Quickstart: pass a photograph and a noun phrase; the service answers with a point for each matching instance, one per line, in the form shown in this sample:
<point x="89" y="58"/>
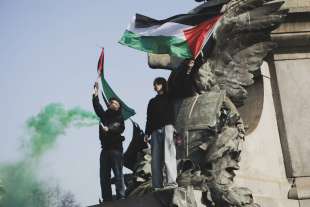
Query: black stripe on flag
<point x="187" y="19"/>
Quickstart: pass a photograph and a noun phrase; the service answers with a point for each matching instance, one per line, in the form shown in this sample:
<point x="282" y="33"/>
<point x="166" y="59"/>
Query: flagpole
<point x="99" y="72"/>
<point x="98" y="78"/>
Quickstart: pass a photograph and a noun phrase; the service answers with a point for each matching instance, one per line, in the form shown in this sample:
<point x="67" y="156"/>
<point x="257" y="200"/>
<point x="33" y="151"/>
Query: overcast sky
<point x="49" y="53"/>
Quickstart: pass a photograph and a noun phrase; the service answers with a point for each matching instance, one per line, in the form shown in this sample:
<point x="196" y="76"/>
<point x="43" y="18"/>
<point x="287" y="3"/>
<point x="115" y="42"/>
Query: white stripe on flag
<point x="167" y="29"/>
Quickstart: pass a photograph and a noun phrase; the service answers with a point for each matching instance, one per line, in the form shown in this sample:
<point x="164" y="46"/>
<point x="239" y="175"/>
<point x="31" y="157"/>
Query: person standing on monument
<point x="111" y="127"/>
<point x="159" y="129"/>
<point x="181" y="82"/>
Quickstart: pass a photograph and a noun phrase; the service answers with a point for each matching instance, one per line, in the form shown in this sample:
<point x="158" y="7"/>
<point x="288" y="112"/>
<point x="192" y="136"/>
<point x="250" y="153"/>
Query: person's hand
<point x="146" y="138"/>
<point x="105" y="128"/>
<point x="96" y="88"/>
<point x="190" y="65"/>
<point x="95" y="93"/>
<point x="96" y="85"/>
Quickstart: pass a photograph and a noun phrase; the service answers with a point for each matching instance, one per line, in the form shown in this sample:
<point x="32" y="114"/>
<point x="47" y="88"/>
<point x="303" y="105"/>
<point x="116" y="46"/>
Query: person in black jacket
<point x="111" y="127"/>
<point x="159" y="126"/>
<point x="181" y="81"/>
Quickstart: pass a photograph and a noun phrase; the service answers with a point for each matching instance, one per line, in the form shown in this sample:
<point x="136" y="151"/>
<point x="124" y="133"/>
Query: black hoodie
<point x="112" y="139"/>
<point x="159" y="113"/>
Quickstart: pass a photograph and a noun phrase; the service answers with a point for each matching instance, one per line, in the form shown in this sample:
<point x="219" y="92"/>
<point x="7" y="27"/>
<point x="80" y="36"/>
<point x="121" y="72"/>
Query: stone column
<point x="275" y="161"/>
<point x="262" y="164"/>
<point x="290" y="80"/>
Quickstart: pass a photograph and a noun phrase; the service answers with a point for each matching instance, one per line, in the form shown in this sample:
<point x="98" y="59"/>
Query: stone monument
<point x="248" y="91"/>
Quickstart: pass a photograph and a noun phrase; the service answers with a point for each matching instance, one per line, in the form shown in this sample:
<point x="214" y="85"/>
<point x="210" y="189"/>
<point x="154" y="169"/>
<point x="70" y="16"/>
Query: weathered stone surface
<point x="252" y="108"/>
<point x="181" y="197"/>
<point x="262" y="164"/>
<point x="304" y="203"/>
<point x="300" y="189"/>
<point x="294" y="93"/>
<point x="149" y="200"/>
<point x="297" y="4"/>
<point x="290" y="74"/>
<point x="293" y="36"/>
<point x="199" y="112"/>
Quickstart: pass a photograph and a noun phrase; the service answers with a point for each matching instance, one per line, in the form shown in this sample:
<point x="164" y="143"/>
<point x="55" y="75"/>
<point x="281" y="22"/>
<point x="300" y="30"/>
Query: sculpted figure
<point x="207" y="117"/>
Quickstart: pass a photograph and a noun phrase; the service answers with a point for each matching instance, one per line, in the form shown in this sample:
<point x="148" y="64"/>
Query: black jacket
<point x="181" y="84"/>
<point x="159" y="113"/>
<point x="112" y="139"/>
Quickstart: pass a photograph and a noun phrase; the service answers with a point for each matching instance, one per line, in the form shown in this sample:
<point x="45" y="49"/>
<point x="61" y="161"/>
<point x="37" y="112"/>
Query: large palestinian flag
<point x="182" y="35"/>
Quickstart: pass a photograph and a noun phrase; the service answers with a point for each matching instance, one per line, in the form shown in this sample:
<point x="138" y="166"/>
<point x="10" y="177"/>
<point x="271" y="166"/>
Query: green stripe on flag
<point x="127" y="112"/>
<point x="157" y="44"/>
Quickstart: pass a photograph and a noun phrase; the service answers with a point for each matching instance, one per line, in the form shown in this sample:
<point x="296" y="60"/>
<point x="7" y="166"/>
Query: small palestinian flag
<point x="182" y="35"/>
<point x="100" y="63"/>
<point x="108" y="92"/>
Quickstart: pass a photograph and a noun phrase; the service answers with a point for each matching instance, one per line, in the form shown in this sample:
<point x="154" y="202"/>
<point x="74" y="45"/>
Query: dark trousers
<point x="111" y="160"/>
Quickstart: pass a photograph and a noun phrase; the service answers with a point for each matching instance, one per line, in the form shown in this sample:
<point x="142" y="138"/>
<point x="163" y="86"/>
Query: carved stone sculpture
<point x="208" y="120"/>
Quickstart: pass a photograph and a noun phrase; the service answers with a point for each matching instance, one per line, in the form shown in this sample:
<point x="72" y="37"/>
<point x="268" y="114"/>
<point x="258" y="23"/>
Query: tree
<point x="2" y="190"/>
<point x="68" y="200"/>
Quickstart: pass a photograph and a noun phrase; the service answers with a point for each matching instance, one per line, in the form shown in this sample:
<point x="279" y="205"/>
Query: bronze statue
<point x="208" y="120"/>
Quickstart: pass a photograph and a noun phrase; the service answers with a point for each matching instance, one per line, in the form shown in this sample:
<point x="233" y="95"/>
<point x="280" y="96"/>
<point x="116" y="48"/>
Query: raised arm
<point x="96" y="104"/>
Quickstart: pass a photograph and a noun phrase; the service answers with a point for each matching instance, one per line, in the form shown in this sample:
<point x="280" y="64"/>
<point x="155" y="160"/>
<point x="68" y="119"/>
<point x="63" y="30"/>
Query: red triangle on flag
<point x="195" y="36"/>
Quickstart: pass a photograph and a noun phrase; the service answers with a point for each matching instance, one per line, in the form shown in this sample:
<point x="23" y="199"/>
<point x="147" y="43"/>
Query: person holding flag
<point x="111" y="158"/>
<point x="111" y="127"/>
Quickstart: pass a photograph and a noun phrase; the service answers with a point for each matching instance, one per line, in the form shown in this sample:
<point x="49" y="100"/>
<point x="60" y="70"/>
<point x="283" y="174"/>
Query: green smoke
<point x="51" y="122"/>
<point x="22" y="187"/>
<point x="19" y="182"/>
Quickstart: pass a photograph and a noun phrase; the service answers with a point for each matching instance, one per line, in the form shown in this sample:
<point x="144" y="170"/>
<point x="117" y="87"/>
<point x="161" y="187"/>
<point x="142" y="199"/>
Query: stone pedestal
<point x="275" y="158"/>
<point x="290" y="73"/>
<point x="262" y="164"/>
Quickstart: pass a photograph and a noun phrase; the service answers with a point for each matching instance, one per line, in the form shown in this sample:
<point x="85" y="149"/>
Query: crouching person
<point x="111" y="127"/>
<point x="159" y="126"/>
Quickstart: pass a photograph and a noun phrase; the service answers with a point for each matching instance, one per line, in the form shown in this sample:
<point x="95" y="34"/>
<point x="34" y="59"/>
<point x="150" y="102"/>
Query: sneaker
<point x="171" y="186"/>
<point x="121" y="198"/>
<point x="157" y="189"/>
